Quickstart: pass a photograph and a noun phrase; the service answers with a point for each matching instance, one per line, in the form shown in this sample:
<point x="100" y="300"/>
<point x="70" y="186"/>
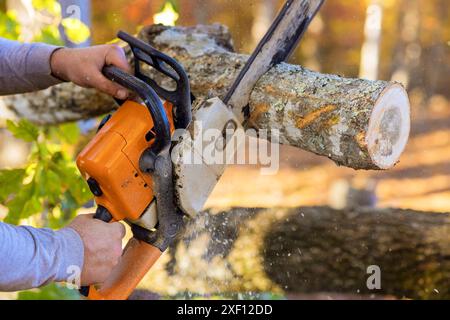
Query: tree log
<point x="357" y="123"/>
<point x="309" y="250"/>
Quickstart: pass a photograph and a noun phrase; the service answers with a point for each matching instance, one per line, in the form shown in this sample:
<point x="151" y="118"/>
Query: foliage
<point x="167" y="16"/>
<point x="76" y="31"/>
<point x="9" y="27"/>
<point x="48" y="190"/>
<point x="48" y="19"/>
<point x="49" y="184"/>
<point x="49" y="292"/>
<point x="52" y="6"/>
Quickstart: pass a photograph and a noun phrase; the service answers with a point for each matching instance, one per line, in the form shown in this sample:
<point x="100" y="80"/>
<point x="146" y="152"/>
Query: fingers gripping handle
<point x="137" y="259"/>
<point x="101" y="214"/>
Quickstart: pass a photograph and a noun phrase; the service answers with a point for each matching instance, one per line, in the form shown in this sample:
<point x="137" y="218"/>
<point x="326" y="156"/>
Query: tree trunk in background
<point x="370" y="51"/>
<point x="356" y="123"/>
<point x="200" y="10"/>
<point x="263" y="17"/>
<point x="26" y="15"/>
<point x="310" y="45"/>
<point x="309" y="250"/>
<point x="434" y="58"/>
<point x="407" y="51"/>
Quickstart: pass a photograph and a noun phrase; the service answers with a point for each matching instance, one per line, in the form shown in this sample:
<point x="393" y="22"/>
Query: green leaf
<point x="69" y="132"/>
<point x="75" y="30"/>
<point x="50" y="34"/>
<point x="51" y="6"/>
<point x="57" y="157"/>
<point x="24" y="204"/>
<point x="10" y="182"/>
<point x="70" y="176"/>
<point x="69" y="204"/>
<point x="49" y="184"/>
<point x="23" y="129"/>
<point x="9" y="27"/>
<point x="80" y="191"/>
<point x="79" y="188"/>
<point x="50" y="292"/>
<point x="52" y="182"/>
<point x="32" y="206"/>
<point x="42" y="151"/>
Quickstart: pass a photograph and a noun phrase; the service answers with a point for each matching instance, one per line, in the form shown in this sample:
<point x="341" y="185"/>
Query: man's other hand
<point x="102" y="247"/>
<point x="83" y="66"/>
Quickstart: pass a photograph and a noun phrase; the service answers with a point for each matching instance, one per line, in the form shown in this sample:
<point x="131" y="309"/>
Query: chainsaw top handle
<point x="180" y="97"/>
<point x="151" y="101"/>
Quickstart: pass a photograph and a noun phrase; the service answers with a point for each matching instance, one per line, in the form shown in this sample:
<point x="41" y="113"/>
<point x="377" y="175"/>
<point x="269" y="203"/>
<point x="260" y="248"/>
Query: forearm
<point x="31" y="257"/>
<point x="25" y="67"/>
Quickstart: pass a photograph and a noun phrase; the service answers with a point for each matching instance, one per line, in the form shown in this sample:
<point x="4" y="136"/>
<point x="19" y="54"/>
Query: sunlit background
<point x="402" y="40"/>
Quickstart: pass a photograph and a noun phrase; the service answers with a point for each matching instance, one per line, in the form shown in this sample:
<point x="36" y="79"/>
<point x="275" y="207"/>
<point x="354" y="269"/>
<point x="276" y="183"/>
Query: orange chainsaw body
<point x="111" y="160"/>
<point x="127" y="165"/>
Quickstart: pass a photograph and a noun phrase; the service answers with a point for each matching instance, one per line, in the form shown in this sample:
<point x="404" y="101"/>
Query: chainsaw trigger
<point x="103" y="122"/>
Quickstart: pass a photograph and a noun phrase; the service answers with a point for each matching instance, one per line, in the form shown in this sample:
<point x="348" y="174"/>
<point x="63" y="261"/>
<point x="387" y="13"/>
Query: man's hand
<point x="84" y="67"/>
<point x="102" y="247"/>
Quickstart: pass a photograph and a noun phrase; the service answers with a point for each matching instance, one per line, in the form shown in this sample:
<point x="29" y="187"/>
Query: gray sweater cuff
<point x="72" y="254"/>
<point x="40" y="68"/>
<point x="31" y="257"/>
<point x="25" y="67"/>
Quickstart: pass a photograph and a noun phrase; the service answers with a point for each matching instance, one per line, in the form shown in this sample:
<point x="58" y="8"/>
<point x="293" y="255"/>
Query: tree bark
<point x="309" y="250"/>
<point x="357" y="123"/>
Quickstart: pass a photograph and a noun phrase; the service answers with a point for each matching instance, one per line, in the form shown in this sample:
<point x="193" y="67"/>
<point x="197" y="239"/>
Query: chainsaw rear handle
<point x="100" y="214"/>
<point x="180" y="97"/>
<point x="137" y="258"/>
<point x="150" y="99"/>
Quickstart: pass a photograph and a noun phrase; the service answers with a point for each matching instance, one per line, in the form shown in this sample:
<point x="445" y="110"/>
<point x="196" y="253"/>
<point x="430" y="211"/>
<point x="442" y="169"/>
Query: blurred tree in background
<point x="414" y="45"/>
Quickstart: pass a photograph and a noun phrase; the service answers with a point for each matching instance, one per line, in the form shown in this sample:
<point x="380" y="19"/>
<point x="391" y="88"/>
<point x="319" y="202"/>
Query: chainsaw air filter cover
<point x="110" y="162"/>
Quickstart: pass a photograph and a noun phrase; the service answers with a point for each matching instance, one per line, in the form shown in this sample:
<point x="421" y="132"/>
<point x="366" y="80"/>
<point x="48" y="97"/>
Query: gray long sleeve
<point x="31" y="257"/>
<point x="25" y="67"/>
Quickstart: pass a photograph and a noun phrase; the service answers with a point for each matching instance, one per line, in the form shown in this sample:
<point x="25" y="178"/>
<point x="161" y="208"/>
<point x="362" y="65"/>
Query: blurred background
<point x="401" y="40"/>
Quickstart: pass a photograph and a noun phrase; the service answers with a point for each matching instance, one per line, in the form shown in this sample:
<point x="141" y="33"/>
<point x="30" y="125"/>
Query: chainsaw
<point x="129" y="165"/>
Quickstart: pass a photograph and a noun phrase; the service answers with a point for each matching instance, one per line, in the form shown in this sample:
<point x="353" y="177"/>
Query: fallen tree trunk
<point x="309" y="250"/>
<point x="357" y="123"/>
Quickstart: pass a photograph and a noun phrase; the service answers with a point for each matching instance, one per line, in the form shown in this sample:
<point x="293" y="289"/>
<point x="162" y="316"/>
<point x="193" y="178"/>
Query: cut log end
<point x="389" y="127"/>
